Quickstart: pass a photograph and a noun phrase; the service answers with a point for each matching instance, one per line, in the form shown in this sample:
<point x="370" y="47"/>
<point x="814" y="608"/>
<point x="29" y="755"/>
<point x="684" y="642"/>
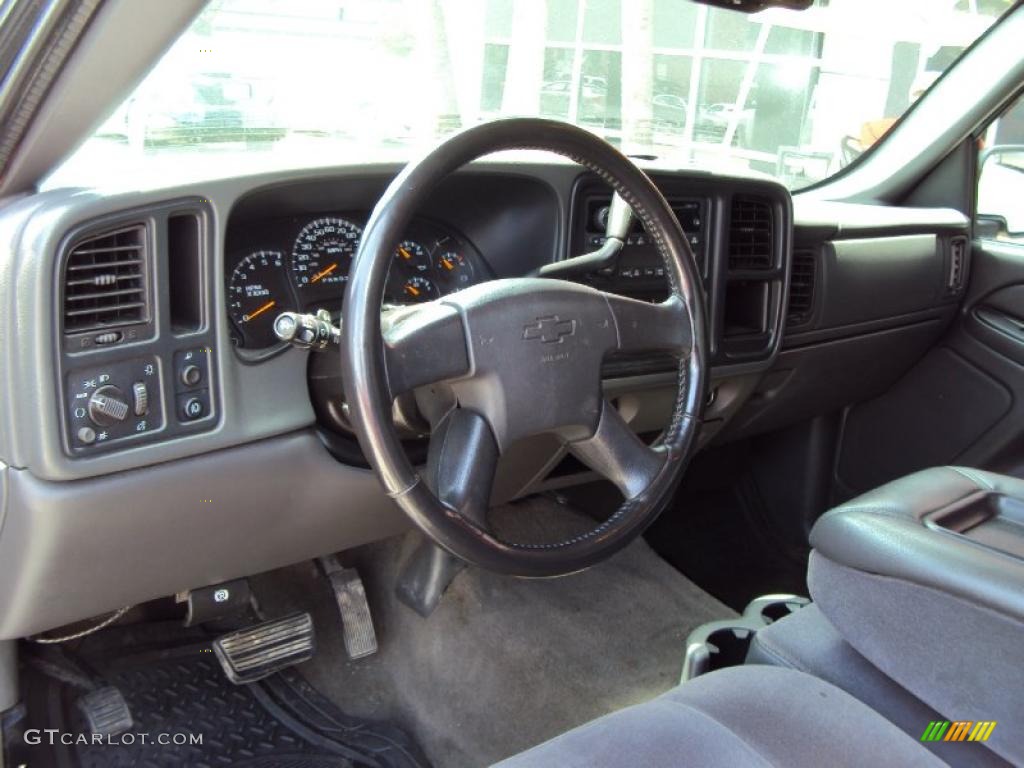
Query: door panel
<point x="995" y="313"/>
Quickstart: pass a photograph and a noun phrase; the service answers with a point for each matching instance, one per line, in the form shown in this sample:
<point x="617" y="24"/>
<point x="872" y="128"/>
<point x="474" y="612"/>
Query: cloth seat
<point x="751" y="715"/>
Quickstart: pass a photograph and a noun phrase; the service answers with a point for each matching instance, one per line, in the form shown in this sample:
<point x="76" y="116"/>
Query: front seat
<point x="750" y="715"/>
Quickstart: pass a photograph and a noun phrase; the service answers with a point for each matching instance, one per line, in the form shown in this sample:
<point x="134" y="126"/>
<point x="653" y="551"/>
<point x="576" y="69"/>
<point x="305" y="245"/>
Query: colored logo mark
<point x="958" y="730"/>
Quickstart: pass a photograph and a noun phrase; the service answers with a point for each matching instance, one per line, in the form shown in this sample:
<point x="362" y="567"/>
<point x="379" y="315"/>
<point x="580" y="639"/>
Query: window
<point x="259" y="84"/>
<point x="1001" y="177"/>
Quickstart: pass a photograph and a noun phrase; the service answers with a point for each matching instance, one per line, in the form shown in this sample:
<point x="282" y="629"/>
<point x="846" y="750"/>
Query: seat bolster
<point x="750" y="715"/>
<point x="963" y="659"/>
<point x="807" y="641"/>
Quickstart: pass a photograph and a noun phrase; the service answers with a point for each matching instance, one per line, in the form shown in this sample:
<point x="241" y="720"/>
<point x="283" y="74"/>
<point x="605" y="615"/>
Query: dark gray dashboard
<point x="853" y="267"/>
<point x="814" y="305"/>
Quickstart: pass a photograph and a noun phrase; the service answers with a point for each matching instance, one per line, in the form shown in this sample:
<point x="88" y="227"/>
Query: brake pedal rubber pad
<point x="250" y="654"/>
<point x="106" y="712"/>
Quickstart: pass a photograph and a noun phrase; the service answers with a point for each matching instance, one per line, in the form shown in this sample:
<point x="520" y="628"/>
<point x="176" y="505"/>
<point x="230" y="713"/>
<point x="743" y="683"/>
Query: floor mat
<point x="279" y="722"/>
<point x="503" y="663"/>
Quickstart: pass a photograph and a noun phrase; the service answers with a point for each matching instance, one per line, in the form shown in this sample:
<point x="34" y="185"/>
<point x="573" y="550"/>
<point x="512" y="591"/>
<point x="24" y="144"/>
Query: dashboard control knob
<point x="193" y="408"/>
<point x="141" y="396"/>
<point x="307" y="331"/>
<point x="191" y="375"/>
<point x="87" y="435"/>
<point x="107" y="406"/>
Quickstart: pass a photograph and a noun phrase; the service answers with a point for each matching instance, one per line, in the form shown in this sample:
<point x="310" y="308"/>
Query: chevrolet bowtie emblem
<point x="550" y="330"/>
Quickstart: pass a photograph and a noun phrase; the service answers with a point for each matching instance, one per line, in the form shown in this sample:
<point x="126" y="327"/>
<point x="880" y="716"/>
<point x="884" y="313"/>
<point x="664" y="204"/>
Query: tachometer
<point x="322" y="256"/>
<point x="257" y="293"/>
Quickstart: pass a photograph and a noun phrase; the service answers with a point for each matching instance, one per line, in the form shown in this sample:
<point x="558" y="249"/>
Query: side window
<point x="1001" y="177"/>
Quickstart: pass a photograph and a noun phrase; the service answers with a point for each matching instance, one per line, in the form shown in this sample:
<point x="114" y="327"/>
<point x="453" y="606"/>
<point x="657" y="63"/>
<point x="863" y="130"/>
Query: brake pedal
<point x="253" y="653"/>
<point x="356" y="620"/>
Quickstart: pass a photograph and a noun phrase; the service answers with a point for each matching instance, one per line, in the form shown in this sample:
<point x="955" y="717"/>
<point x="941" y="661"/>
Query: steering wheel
<point x="511" y="358"/>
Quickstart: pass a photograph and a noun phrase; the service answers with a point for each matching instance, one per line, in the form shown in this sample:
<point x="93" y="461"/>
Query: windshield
<point x="258" y="84"/>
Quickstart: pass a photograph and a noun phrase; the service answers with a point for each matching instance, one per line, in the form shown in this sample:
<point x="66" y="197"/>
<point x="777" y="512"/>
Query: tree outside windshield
<point x="795" y="95"/>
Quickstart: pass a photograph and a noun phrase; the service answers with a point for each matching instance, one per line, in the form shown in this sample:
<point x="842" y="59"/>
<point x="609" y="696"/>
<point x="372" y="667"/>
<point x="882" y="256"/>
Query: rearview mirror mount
<point x="753" y="6"/>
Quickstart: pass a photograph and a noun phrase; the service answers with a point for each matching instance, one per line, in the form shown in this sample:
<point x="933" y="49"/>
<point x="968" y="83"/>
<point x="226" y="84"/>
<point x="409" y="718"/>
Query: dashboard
<point x="301" y="264"/>
<point x="152" y="418"/>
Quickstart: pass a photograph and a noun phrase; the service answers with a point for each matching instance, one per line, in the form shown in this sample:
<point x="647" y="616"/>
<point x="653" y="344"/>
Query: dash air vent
<point x="801" y="288"/>
<point x="750" y="235"/>
<point x="104" y="281"/>
<point x="957" y="263"/>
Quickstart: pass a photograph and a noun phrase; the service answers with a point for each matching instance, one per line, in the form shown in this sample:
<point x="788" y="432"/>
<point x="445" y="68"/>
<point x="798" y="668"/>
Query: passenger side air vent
<point x="957" y="264"/>
<point x="105" y="281"/>
<point x="801" y="288"/>
<point x="750" y="235"/>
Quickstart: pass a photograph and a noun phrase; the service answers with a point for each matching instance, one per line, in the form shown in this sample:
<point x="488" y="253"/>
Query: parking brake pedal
<point x="105" y="711"/>
<point x="356" y="621"/>
<point x="253" y="653"/>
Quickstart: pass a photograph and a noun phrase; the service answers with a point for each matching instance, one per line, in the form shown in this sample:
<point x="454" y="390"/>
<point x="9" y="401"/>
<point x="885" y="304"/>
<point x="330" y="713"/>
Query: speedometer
<point x="322" y="256"/>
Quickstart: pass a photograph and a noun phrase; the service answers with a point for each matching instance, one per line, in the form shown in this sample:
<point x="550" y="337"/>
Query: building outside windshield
<point x="258" y="84"/>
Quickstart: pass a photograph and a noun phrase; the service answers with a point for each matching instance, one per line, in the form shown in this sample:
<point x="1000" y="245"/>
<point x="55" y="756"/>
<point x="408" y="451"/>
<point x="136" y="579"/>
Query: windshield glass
<point x="259" y="84"/>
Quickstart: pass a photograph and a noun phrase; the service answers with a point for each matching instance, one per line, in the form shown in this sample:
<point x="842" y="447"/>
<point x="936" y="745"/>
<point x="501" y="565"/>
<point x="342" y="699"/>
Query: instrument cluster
<point x="304" y="266"/>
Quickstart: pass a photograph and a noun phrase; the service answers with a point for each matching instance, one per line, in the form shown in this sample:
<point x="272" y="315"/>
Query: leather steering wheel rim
<point x="369" y="387"/>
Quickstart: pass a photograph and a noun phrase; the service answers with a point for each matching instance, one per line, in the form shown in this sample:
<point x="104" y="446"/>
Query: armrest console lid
<point x="895" y="531"/>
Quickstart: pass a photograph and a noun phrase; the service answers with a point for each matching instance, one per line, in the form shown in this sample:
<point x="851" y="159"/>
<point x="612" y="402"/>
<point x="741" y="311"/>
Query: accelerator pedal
<point x="356" y="620"/>
<point x="255" y="652"/>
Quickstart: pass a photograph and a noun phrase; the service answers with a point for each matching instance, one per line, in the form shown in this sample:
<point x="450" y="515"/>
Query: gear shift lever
<point x="616" y="230"/>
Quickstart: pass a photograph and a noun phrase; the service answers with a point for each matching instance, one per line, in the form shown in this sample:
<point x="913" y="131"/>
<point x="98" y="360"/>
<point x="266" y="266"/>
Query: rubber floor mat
<point x="278" y="722"/>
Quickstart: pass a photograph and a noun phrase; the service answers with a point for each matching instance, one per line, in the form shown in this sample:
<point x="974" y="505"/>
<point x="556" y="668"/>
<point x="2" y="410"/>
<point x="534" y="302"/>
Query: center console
<point x="740" y="234"/>
<point x="924" y="577"/>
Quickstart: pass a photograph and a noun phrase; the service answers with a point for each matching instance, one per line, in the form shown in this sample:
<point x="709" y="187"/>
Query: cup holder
<point x="720" y="644"/>
<point x="771" y="608"/>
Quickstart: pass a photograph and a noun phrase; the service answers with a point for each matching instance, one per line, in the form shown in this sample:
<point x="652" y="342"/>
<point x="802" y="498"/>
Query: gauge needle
<point x="411" y="290"/>
<point x="404" y="253"/>
<point x="266" y="307"/>
<point x="323" y="273"/>
<point x="448" y="265"/>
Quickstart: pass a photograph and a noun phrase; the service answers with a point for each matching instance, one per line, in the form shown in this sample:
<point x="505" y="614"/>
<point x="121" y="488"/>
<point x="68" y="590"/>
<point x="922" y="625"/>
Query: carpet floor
<point x="502" y="664"/>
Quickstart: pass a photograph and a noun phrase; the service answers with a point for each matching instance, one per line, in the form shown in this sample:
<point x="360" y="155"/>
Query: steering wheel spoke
<point x="423" y="344"/>
<point x="616" y="453"/>
<point x="461" y="462"/>
<point x="517" y="357"/>
<point x="646" y="327"/>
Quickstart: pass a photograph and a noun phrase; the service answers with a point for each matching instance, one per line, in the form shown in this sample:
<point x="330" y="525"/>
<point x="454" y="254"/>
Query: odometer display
<point x="322" y="256"/>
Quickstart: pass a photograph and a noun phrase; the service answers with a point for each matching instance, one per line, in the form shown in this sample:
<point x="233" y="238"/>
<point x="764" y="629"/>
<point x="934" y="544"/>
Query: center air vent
<point x="801" y="288"/>
<point x="750" y="235"/>
<point x="104" y="281"/>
